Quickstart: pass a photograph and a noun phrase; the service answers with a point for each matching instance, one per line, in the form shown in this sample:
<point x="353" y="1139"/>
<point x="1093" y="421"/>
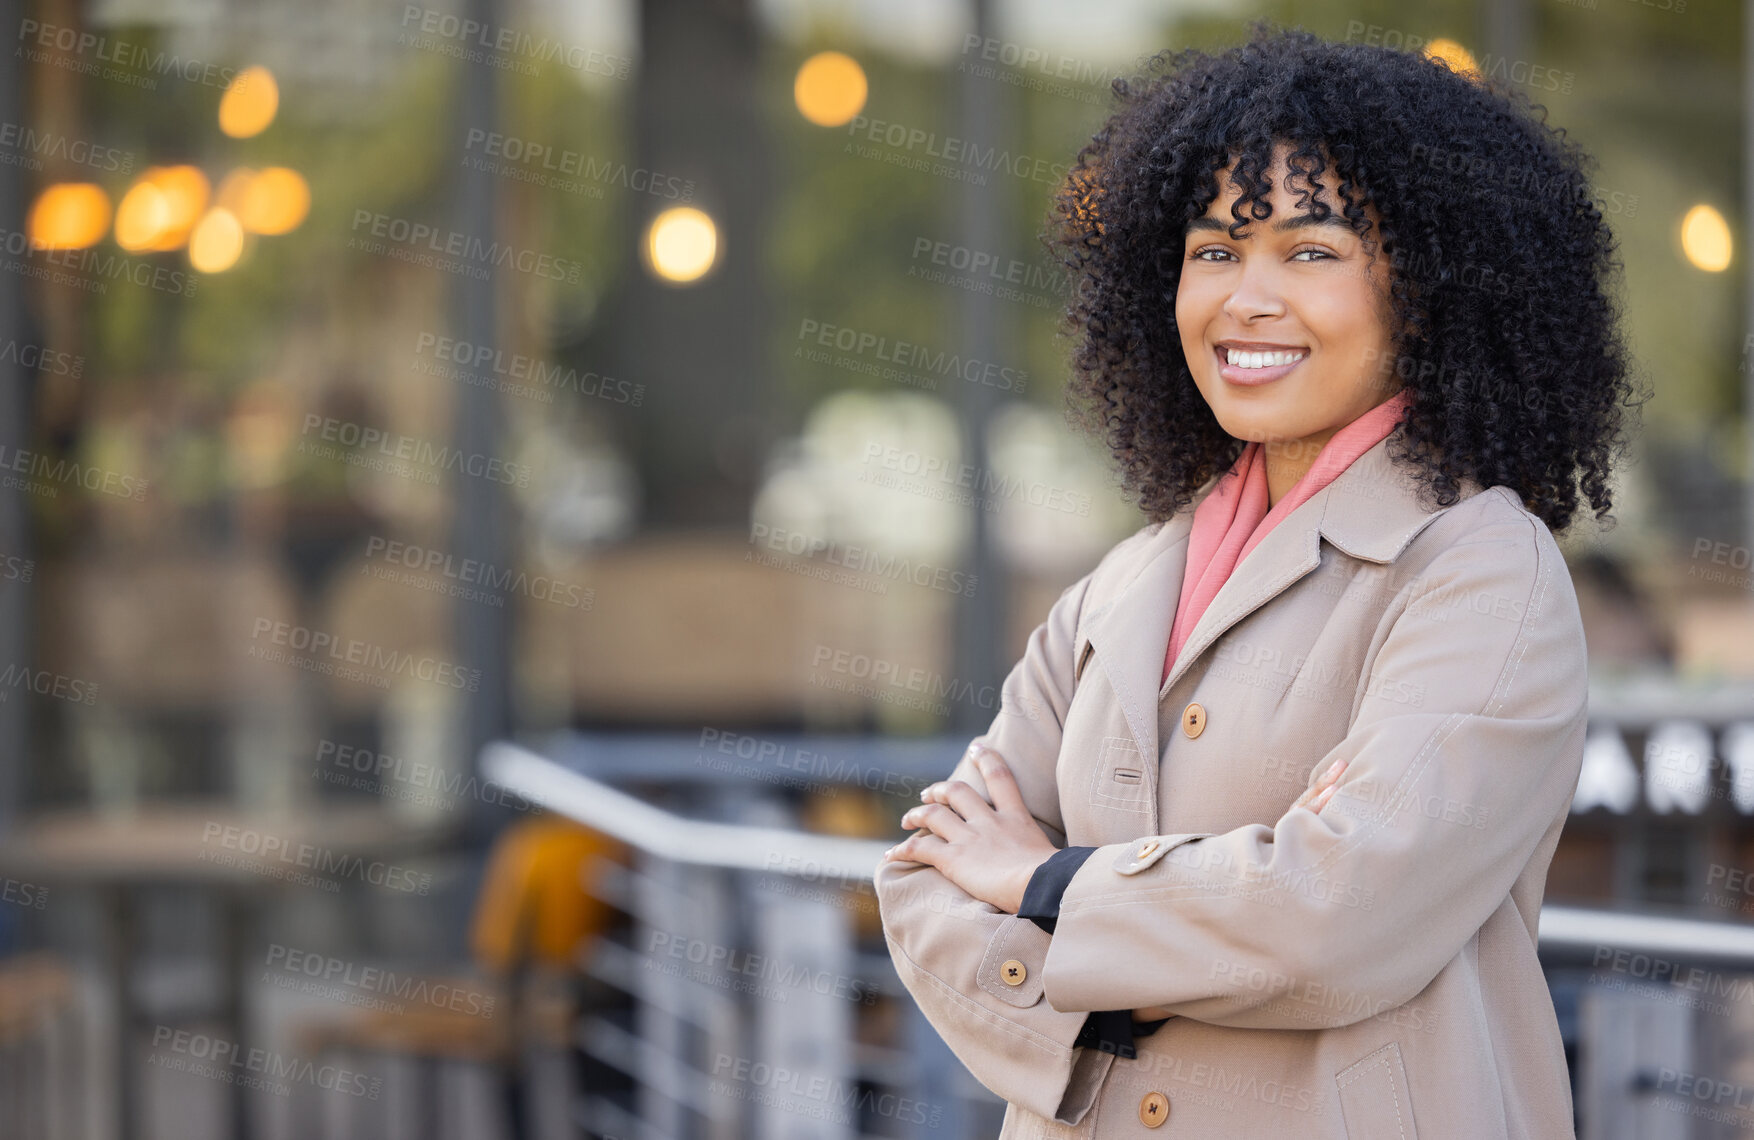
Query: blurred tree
<point x="701" y="435"/>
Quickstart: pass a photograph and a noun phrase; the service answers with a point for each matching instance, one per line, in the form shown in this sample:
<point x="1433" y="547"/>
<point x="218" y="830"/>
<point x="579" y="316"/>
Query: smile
<point x="1242" y="366"/>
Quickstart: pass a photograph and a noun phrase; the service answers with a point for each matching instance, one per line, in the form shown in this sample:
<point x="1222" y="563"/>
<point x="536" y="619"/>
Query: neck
<point x="1289" y="461"/>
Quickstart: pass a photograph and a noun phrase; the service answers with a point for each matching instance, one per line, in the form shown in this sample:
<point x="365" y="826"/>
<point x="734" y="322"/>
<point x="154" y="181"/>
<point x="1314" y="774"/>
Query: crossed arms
<point x="1245" y="928"/>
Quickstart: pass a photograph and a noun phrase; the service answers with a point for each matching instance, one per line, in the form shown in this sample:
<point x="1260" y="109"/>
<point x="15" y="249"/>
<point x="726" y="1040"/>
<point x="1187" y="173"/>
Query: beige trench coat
<point x="1365" y="973"/>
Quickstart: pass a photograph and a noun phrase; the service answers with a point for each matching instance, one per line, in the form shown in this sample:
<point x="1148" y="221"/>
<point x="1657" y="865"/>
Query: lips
<point x="1251" y="377"/>
<point x="1261" y="346"/>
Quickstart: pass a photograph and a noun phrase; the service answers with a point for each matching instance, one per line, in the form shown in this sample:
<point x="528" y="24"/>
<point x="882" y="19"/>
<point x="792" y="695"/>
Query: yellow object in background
<point x="533" y="905"/>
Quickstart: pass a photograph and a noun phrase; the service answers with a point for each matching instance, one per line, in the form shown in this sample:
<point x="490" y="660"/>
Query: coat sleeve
<point x="974" y="970"/>
<point x="1463" y="753"/>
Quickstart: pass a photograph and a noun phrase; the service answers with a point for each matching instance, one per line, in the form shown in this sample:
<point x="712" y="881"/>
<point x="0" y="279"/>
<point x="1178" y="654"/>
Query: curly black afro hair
<point x="1500" y="263"/>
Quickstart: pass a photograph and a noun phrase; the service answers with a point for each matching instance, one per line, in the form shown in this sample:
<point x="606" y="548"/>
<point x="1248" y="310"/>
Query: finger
<point x="964" y="799"/>
<point x="1323" y="782"/>
<point x="1321" y="801"/>
<point x="923" y="848"/>
<point x="1007" y="797"/>
<point x="966" y="768"/>
<point x="937" y="818"/>
<point x="916" y="817"/>
<point x="1329" y="777"/>
<point x="939" y="790"/>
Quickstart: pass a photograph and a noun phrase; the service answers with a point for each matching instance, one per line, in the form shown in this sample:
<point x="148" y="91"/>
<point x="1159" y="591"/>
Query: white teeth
<point x="1239" y="359"/>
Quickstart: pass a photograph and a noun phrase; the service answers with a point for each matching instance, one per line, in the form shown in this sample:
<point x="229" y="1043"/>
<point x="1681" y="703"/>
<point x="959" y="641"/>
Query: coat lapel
<point x="1290" y="550"/>
<point x="1370" y="511"/>
<point x="1130" y="634"/>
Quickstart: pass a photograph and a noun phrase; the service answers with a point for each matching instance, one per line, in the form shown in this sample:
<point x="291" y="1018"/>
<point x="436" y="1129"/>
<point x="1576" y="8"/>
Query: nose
<point x="1257" y="294"/>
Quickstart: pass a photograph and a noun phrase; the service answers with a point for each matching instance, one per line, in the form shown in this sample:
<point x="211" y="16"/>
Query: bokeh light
<point x="682" y="244"/>
<point x="274" y="201"/>
<point x="249" y="103"/>
<point x="142" y="216"/>
<point x="161" y="209"/>
<point x="830" y="89"/>
<point x="1459" y="58"/>
<point x="1705" y="239"/>
<point x="217" y="242"/>
<point x="69" y="215"/>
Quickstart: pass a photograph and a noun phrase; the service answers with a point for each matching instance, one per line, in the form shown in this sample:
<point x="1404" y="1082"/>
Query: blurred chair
<point x="535" y="925"/>
<point x="41" y="1078"/>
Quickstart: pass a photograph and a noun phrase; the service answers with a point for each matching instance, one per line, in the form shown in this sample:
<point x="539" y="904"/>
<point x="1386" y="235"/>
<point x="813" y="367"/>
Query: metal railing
<point x="744" y="967"/>
<point x="726" y="914"/>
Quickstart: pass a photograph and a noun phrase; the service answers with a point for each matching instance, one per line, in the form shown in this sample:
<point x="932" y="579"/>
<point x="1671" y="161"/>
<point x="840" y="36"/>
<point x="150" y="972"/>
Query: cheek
<point x="1195" y="304"/>
<point x="1340" y="316"/>
<point x="1348" y="327"/>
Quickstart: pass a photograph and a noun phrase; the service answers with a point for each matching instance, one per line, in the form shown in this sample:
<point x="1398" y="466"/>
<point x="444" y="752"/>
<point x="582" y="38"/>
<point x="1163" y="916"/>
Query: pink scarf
<point x="1233" y="517"/>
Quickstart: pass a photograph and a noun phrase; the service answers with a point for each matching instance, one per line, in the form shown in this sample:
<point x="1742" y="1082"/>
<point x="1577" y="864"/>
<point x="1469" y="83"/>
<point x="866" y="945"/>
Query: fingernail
<point x="1335" y="766"/>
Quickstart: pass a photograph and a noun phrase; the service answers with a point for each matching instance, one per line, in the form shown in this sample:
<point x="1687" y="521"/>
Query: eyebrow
<point x="1289" y="222"/>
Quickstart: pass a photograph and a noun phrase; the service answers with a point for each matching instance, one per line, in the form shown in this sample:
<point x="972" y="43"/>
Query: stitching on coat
<point x="1494" y="700"/>
<point x="1238" y="610"/>
<point x="1129" y="710"/>
<point x="1101" y="779"/>
<point x="1391" y="1050"/>
<point x="1024" y="1034"/>
<point x="1000" y="944"/>
<point x="1439" y="736"/>
<point x="1416" y="769"/>
<point x="1120" y="898"/>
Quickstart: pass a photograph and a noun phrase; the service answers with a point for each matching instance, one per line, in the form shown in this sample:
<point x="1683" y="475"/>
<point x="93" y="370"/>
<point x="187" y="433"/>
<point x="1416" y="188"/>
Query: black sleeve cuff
<point x="1105" y="1030"/>
<point x="1108" y="1031"/>
<point x="1146" y="1028"/>
<point x="1115" y="1031"/>
<point x="1041" y="898"/>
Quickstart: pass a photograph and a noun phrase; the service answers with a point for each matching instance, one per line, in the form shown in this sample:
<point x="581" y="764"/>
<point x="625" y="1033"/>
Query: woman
<point x="1344" y="320"/>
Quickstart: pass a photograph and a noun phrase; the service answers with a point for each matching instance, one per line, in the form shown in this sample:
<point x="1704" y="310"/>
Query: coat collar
<point x="1370" y="511"/>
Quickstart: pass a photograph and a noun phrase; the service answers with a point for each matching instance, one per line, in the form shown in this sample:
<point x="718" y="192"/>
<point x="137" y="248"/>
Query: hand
<point x="1315" y="798"/>
<point x="989" y="850"/>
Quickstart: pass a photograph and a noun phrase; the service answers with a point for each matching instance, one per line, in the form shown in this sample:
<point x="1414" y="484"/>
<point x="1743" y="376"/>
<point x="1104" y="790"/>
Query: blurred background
<point x="503" y="503"/>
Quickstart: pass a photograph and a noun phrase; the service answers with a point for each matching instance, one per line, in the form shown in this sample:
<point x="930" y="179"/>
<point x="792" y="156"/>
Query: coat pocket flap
<point x="1011" y="969"/>
<point x="1120" y="780"/>
<point x="1374" y="1098"/>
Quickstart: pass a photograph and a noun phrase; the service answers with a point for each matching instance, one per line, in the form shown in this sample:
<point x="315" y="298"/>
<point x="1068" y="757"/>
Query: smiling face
<point x="1287" y="330"/>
